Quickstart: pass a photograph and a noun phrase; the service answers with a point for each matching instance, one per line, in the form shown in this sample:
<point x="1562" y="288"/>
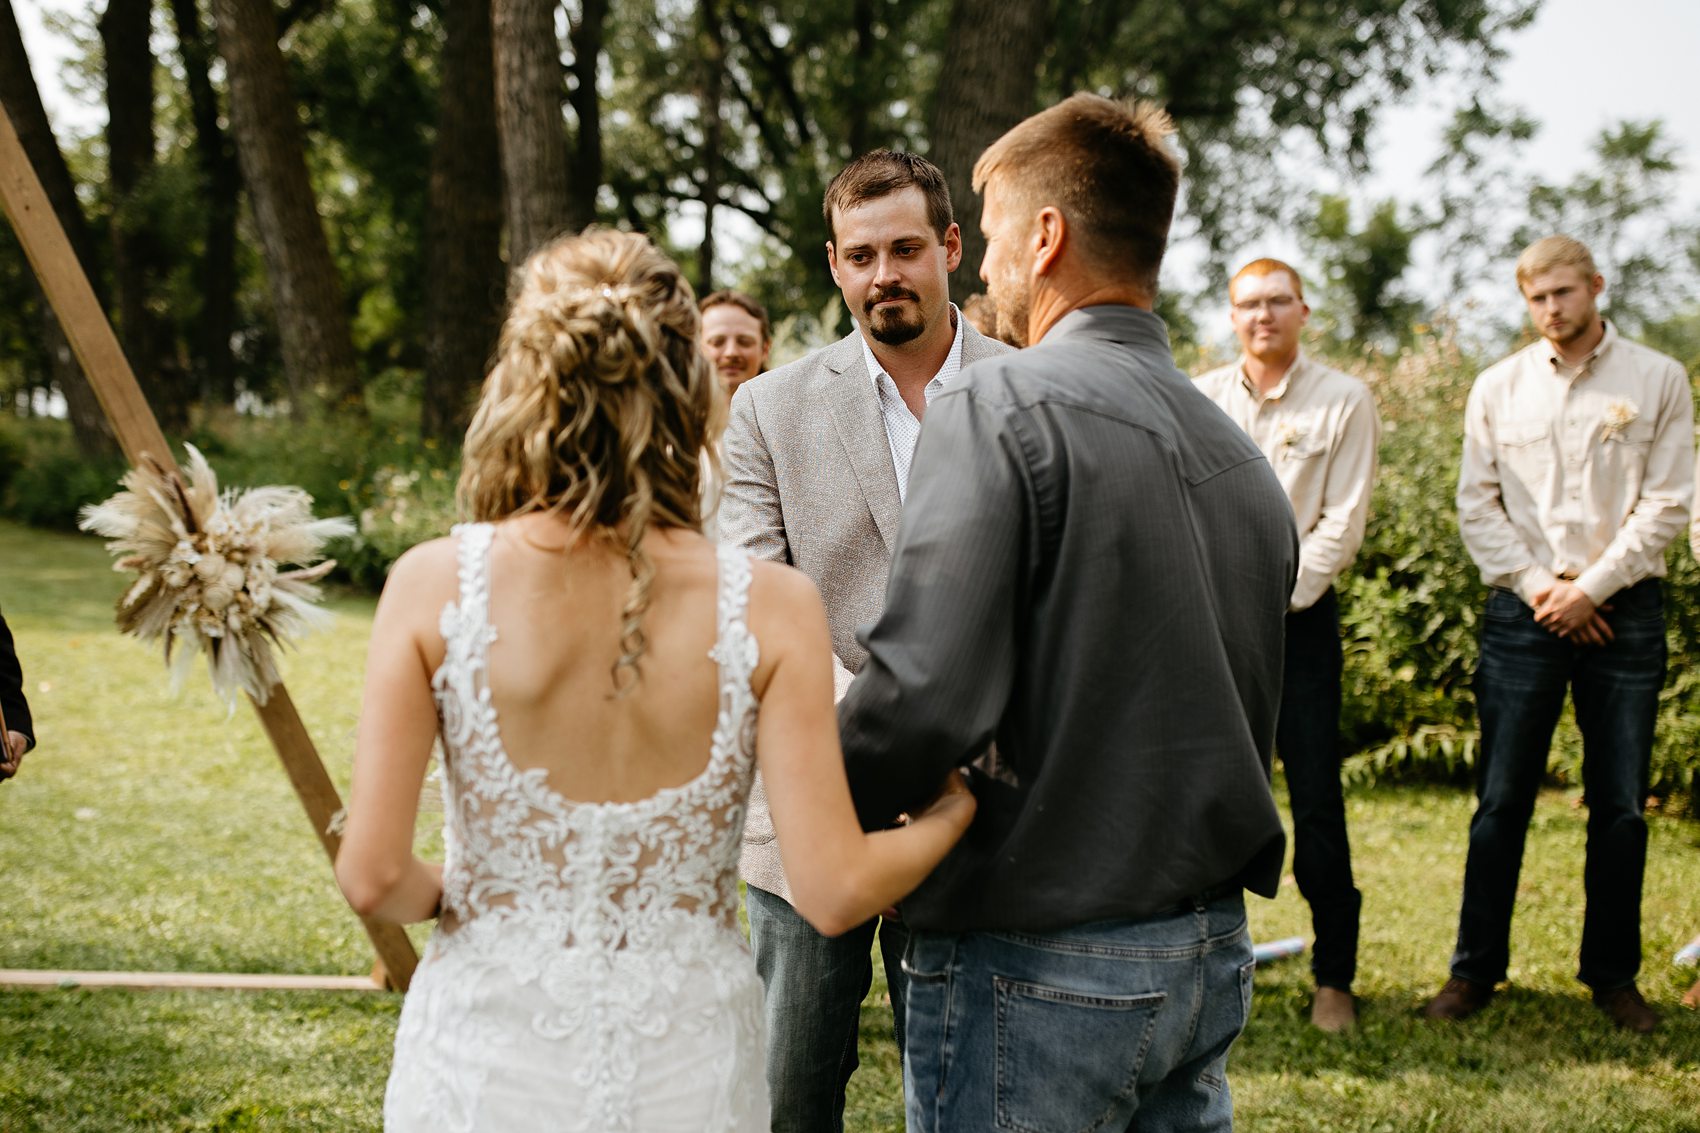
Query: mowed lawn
<point x="157" y="832"/>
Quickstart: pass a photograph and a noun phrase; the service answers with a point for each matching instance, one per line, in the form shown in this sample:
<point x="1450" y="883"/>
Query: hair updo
<point x="599" y="407"/>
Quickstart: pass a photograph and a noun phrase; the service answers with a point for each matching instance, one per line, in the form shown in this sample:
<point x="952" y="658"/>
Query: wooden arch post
<point x="91" y="337"/>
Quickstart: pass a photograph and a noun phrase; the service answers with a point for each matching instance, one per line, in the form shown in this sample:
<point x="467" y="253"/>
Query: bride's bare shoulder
<point x="784" y="602"/>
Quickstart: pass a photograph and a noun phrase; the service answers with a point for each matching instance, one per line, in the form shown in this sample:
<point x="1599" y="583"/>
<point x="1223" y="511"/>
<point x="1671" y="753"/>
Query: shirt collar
<point x="1300" y="362"/>
<point x="951" y="366"/>
<point x="1554" y="360"/>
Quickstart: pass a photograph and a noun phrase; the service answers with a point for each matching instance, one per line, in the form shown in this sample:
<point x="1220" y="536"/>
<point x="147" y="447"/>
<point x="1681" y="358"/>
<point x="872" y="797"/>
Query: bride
<point x="605" y="683"/>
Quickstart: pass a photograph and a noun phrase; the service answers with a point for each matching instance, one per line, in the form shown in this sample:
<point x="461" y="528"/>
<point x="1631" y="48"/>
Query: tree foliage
<point x="712" y="124"/>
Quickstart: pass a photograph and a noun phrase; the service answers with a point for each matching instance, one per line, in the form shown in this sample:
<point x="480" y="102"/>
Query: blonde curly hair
<point x="599" y="408"/>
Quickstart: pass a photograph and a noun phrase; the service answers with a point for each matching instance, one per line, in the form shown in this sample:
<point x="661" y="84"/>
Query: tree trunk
<point x="213" y="360"/>
<point x="138" y="261"/>
<point x="713" y="79"/>
<point x="529" y="83"/>
<point x="987" y="83"/>
<point x="584" y="178"/>
<point x="22" y="101"/>
<point x="862" y="24"/>
<point x="463" y="233"/>
<point x="313" y="325"/>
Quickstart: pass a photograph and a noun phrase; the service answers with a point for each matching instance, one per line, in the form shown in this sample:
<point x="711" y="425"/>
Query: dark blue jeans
<point x="814" y="990"/>
<point x="1520" y="686"/>
<point x="1307" y="738"/>
<point x="1113" y="1026"/>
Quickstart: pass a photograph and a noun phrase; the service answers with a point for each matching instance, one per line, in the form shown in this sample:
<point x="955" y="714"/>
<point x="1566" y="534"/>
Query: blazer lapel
<point x="861" y="430"/>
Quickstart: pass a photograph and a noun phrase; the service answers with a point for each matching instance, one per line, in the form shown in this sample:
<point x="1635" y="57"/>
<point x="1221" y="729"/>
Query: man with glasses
<point x="1318" y="427"/>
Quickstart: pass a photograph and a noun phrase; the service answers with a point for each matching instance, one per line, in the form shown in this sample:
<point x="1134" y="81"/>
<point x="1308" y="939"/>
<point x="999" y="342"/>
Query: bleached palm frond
<point x="209" y="567"/>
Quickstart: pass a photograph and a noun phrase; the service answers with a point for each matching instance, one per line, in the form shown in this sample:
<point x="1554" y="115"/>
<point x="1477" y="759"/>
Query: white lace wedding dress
<point x="589" y="973"/>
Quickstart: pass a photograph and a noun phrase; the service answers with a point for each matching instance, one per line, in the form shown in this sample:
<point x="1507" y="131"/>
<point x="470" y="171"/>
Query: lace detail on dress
<point x="594" y="945"/>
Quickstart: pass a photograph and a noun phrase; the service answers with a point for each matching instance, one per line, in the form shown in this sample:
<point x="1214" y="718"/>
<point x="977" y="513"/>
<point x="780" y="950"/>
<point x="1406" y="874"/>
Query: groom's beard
<point x="894" y="325"/>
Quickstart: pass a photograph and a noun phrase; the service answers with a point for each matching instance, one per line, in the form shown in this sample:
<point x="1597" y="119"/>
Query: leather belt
<point x="1198" y="900"/>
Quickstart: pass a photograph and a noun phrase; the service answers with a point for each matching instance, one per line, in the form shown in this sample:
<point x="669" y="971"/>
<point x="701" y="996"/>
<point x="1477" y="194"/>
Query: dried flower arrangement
<point x="210" y="569"/>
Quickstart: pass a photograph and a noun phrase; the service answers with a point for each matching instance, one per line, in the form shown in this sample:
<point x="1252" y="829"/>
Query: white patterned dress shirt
<point x="902" y="429"/>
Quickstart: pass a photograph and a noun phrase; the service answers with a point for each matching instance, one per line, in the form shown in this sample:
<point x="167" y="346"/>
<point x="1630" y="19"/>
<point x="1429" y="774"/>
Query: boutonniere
<point x="1290" y="436"/>
<point x="1620" y="415"/>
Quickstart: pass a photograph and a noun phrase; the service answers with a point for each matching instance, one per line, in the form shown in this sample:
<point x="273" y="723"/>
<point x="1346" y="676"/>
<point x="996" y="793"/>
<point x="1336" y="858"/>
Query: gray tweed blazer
<point x="809" y="482"/>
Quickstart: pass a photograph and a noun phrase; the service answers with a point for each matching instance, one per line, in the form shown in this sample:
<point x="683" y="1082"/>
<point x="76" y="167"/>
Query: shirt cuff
<point x="1599" y="582"/>
<point x="1534" y="579"/>
<point x="841" y="678"/>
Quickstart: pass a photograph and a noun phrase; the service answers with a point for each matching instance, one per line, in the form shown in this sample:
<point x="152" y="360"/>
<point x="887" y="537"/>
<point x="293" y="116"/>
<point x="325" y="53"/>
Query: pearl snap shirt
<point x="1578" y="473"/>
<point x="1318" y="428"/>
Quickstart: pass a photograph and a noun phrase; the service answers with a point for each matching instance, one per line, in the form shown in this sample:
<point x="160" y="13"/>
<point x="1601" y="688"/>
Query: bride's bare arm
<point x="398" y="723"/>
<point x="838" y="875"/>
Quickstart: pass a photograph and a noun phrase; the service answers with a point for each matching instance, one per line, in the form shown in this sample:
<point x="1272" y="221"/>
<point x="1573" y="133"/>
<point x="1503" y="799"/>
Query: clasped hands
<point x="1566" y="610"/>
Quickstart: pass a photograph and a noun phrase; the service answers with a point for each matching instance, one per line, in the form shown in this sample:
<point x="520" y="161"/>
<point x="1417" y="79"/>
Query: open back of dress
<point x="589" y="972"/>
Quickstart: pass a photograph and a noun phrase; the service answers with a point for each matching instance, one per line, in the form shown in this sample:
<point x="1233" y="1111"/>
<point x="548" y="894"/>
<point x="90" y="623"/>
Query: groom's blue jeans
<point x="1520" y="686"/>
<point x="814" y="989"/>
<point x="1113" y="1026"/>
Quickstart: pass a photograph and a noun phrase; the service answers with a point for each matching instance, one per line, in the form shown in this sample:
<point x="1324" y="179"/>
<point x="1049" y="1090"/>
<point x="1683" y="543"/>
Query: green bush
<point x="48" y="480"/>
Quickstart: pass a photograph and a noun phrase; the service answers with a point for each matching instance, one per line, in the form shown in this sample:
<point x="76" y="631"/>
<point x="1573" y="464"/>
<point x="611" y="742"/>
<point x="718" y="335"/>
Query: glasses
<point x="1274" y="306"/>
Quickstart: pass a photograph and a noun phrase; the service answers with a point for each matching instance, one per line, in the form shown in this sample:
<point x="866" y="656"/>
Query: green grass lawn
<point x="158" y="832"/>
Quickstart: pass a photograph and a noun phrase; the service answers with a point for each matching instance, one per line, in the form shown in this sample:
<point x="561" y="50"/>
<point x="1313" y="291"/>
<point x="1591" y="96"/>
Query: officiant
<point x="16" y="728"/>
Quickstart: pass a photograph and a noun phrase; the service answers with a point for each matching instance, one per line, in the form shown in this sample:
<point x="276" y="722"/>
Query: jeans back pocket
<point x="1069" y="1061"/>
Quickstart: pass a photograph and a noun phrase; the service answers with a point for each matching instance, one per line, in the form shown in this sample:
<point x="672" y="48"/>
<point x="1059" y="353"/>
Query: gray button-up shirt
<point x="1093" y="569"/>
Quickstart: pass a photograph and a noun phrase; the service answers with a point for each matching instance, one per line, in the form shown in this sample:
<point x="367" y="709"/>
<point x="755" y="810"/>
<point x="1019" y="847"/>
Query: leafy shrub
<point x="48" y="480"/>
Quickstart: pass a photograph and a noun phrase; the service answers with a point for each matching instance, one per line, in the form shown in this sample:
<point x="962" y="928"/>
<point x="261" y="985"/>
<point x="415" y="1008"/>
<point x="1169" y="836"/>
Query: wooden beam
<point x="320" y="799"/>
<point x="90" y="334"/>
<point x="152" y="981"/>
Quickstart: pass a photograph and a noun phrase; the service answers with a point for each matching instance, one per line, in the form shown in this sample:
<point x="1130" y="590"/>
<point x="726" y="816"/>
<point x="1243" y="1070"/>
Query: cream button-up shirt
<point x="1320" y="430"/>
<point x="1583" y="474"/>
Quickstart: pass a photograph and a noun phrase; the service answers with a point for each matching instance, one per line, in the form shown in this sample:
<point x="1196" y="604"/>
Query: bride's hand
<point x="954" y="803"/>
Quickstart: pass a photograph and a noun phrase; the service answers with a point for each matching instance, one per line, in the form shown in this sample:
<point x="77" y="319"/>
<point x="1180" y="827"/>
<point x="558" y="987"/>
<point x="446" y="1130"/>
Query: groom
<point x="817" y="467"/>
<point x="1093" y="569"/>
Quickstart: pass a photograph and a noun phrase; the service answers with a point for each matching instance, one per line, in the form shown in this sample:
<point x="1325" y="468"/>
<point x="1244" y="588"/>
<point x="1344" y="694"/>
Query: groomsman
<point x="736" y="336"/>
<point x="1319" y="430"/>
<point x="1577" y="475"/>
<point x="817" y="467"/>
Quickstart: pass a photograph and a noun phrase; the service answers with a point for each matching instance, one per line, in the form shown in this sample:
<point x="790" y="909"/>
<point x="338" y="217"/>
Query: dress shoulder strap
<point x="473" y="570"/>
<point x="734" y="646"/>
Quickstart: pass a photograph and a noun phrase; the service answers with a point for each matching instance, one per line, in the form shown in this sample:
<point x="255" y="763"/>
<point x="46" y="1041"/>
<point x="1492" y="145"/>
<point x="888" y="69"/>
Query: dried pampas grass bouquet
<point x="210" y="569"/>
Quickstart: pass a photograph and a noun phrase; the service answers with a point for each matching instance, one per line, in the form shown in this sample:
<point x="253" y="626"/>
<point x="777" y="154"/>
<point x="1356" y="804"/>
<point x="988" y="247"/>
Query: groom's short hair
<point x="881" y="172"/>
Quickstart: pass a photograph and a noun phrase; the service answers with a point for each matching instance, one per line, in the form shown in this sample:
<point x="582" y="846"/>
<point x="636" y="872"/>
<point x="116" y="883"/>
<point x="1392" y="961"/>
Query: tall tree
<point x="987" y="83"/>
<point x="138" y="260"/>
<point x="711" y="115"/>
<point x="463" y="284"/>
<point x="529" y="84"/>
<point x="213" y="361"/>
<point x="22" y="101"/>
<point x="1619" y="207"/>
<point x="1364" y="267"/>
<point x="313" y="326"/>
<point x="584" y="175"/>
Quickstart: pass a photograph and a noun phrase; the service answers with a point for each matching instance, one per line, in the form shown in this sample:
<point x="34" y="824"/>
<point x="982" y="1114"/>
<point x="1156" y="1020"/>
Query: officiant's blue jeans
<point x="1113" y="1026"/>
<point x="1520" y="686"/>
<point x="814" y="989"/>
